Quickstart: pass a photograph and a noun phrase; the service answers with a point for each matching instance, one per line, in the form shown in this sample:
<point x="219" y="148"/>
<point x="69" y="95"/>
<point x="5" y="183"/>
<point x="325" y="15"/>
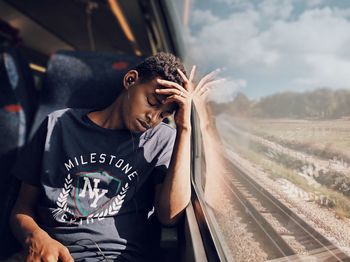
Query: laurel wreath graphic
<point x="112" y="209"/>
<point x="115" y="205"/>
<point x="62" y="198"/>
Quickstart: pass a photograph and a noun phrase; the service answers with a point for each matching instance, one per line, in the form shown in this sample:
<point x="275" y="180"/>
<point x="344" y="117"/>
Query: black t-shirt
<point x="97" y="183"/>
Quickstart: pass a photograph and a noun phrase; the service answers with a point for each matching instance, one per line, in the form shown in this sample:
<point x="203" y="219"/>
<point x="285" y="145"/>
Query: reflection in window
<point x="275" y="136"/>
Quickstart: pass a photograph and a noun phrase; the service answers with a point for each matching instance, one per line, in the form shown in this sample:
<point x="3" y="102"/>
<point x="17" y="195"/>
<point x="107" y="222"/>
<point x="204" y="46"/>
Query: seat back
<point x="18" y="103"/>
<point x="73" y="79"/>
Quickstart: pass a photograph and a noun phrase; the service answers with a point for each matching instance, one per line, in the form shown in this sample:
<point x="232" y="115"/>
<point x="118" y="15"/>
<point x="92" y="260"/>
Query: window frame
<point x="213" y="242"/>
<point x="204" y="216"/>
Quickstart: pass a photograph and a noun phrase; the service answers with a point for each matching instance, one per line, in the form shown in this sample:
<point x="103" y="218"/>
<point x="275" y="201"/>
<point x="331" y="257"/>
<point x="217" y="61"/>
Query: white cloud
<point x="313" y="3"/>
<point x="226" y="90"/>
<point x="232" y="2"/>
<point x="344" y="12"/>
<point x="237" y="4"/>
<point x="308" y="49"/>
<point x="200" y="17"/>
<point x="276" y="9"/>
<point x="233" y="41"/>
<point x="316" y="31"/>
<point x="327" y="71"/>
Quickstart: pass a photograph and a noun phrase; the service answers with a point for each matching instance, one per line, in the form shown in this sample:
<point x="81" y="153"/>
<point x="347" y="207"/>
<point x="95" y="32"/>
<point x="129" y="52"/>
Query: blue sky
<point x="271" y="46"/>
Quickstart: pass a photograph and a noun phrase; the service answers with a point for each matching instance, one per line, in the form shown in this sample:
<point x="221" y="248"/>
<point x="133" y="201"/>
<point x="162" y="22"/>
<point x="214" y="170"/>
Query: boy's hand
<point x="190" y="92"/>
<point x="41" y="247"/>
<point x="200" y="94"/>
<point x="181" y="95"/>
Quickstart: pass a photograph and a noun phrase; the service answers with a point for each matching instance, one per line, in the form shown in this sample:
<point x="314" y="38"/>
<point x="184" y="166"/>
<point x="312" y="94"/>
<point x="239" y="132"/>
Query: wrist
<point x="34" y="235"/>
<point x="183" y="128"/>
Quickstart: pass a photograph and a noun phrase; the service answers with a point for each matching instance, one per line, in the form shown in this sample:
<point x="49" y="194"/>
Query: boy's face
<point x="145" y="106"/>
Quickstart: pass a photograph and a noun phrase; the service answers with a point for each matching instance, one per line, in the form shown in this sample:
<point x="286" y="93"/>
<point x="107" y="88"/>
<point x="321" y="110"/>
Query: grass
<point x="339" y="202"/>
<point x="326" y="139"/>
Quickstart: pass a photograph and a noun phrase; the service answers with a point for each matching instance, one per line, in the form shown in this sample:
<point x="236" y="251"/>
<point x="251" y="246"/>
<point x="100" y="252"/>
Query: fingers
<point x="188" y="81"/>
<point x="182" y="75"/>
<point x="50" y="258"/>
<point x="208" y="77"/>
<point x="193" y="70"/>
<point x="65" y="256"/>
<point x="170" y="91"/>
<point x="214" y="82"/>
<point x="192" y="73"/>
<point x="176" y="98"/>
<point x="208" y="86"/>
<point x="30" y="258"/>
<point x="167" y="83"/>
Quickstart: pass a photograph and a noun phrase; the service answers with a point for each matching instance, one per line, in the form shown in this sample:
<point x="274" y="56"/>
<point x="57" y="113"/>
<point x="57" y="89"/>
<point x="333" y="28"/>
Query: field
<point x="326" y="139"/>
<point x="313" y="155"/>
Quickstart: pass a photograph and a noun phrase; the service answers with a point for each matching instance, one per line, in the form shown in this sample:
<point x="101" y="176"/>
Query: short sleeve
<point x="28" y="164"/>
<point x="163" y="161"/>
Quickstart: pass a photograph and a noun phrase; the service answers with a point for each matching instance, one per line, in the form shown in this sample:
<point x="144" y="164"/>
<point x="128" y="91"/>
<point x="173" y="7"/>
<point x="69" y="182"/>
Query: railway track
<point x="289" y="236"/>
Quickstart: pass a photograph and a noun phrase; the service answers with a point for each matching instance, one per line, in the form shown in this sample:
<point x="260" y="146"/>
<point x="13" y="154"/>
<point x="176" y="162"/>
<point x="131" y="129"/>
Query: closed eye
<point x="150" y="103"/>
<point x="158" y="104"/>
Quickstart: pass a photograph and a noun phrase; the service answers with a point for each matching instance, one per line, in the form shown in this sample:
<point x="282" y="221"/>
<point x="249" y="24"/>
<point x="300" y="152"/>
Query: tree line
<point x="322" y="103"/>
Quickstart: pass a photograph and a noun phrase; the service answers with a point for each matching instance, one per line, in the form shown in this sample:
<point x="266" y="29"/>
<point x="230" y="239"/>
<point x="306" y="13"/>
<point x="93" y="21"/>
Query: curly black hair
<point x="161" y="65"/>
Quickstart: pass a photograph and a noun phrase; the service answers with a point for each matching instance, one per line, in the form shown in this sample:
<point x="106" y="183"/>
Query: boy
<point x="90" y="178"/>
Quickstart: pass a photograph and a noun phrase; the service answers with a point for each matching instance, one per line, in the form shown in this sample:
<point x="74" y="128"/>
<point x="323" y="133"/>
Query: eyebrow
<point x="159" y="100"/>
<point x="158" y="97"/>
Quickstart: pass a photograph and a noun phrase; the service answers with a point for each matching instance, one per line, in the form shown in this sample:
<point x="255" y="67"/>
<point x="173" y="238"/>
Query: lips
<point x="144" y="124"/>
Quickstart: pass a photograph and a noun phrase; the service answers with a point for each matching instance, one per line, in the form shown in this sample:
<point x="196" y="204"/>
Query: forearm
<point x="216" y="164"/>
<point x="213" y="148"/>
<point x="37" y="244"/>
<point x="23" y="225"/>
<point x="176" y="189"/>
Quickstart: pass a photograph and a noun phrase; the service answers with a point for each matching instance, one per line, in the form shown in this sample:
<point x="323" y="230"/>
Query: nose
<point x="152" y="118"/>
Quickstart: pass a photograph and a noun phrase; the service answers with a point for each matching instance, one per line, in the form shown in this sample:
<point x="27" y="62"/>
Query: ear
<point x="134" y="75"/>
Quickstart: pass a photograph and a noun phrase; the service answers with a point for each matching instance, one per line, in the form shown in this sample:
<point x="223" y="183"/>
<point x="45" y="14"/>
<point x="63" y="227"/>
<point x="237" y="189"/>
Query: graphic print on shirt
<point x="95" y="194"/>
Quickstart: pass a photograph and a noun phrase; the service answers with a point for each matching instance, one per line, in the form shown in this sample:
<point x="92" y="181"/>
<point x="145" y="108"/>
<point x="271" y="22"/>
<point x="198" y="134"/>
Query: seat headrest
<point x="82" y="79"/>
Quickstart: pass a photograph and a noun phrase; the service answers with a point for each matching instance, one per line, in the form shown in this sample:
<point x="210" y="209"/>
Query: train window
<point x="271" y="161"/>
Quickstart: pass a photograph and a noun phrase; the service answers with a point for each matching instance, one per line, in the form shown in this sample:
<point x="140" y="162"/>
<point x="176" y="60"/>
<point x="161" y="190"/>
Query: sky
<point x="270" y="46"/>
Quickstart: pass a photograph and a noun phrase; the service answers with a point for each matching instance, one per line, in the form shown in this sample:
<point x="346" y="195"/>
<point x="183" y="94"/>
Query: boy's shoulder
<point x="162" y="131"/>
<point x="65" y="113"/>
<point x="61" y="117"/>
<point x="165" y="127"/>
<point x="56" y="114"/>
<point x="61" y="112"/>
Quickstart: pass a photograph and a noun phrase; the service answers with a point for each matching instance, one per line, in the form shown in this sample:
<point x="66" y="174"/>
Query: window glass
<point x="274" y="142"/>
